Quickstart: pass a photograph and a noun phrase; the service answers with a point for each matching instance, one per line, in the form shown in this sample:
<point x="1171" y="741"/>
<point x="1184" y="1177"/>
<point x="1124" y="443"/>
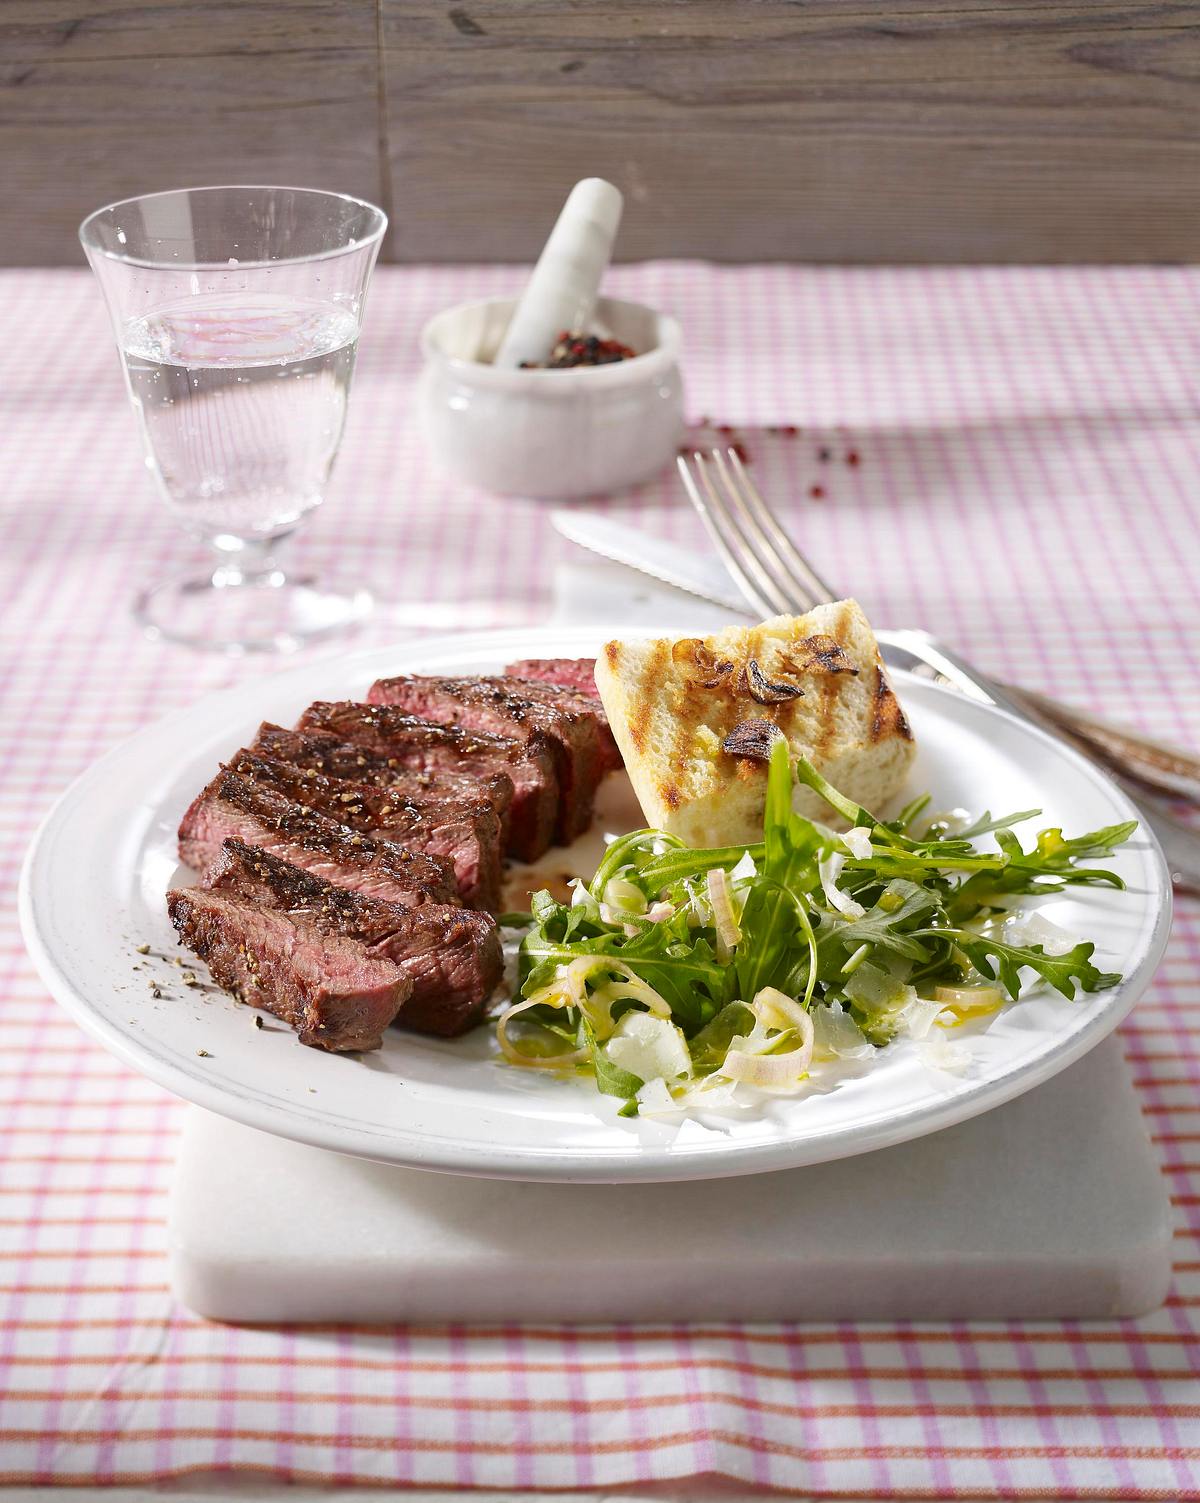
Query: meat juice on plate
<point x="242" y="400"/>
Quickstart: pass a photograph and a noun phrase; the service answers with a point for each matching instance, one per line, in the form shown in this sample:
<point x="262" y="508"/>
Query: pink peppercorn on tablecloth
<point x="1010" y="458"/>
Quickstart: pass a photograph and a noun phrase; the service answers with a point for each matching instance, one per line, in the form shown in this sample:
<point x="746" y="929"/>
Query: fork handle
<point x="1169" y="770"/>
<point x="1181" y="845"/>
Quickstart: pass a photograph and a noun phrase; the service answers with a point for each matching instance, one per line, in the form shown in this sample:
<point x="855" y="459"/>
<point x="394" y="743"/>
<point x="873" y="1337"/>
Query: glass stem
<point x="253" y="564"/>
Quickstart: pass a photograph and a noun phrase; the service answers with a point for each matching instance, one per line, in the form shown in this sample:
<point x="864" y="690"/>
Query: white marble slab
<point x="1050" y="1206"/>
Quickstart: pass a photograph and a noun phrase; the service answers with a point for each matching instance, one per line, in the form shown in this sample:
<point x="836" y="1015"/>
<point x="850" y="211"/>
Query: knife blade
<point x="683" y="568"/>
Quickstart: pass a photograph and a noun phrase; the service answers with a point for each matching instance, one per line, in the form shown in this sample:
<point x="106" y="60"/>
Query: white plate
<point x="92" y="890"/>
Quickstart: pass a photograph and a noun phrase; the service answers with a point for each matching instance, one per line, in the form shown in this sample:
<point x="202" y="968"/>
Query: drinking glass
<point x="237" y="312"/>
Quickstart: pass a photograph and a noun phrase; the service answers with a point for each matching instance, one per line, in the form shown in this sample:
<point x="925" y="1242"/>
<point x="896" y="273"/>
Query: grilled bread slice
<point x="818" y="677"/>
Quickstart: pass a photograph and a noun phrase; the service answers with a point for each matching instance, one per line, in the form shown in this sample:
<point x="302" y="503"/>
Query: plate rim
<point x="639" y="1164"/>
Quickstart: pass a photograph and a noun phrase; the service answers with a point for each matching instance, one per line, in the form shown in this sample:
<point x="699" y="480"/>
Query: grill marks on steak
<point x="244" y="809"/>
<point x="422" y="746"/>
<point x="451" y="956"/>
<point x="466" y="834"/>
<point x="335" y="993"/>
<point x="524" y="712"/>
<point x="336" y="758"/>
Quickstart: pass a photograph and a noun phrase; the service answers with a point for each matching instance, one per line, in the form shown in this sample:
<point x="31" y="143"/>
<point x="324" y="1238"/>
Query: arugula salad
<point x="679" y="976"/>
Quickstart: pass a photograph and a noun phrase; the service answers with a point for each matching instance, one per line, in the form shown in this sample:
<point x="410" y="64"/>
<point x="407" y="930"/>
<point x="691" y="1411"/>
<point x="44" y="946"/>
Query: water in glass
<point x="242" y="400"/>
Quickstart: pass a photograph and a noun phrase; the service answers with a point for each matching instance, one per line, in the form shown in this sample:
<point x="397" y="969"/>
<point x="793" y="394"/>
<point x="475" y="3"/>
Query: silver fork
<point x="776" y="578"/>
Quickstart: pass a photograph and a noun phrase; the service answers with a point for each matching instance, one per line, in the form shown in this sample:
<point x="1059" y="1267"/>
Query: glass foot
<point x="237" y="611"/>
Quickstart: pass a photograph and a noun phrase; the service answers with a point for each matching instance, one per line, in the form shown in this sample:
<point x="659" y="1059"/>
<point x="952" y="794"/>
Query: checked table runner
<point x="1010" y="458"/>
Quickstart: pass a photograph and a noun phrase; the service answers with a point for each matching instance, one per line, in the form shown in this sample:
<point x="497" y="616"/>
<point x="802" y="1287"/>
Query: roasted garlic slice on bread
<point x="684" y="710"/>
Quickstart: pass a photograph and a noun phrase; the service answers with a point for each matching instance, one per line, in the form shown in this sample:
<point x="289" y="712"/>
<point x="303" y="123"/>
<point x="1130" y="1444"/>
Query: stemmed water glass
<point x="237" y="312"/>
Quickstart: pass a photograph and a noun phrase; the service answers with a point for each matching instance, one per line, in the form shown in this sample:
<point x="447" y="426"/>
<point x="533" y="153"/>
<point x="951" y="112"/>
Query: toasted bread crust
<point x="819" y="678"/>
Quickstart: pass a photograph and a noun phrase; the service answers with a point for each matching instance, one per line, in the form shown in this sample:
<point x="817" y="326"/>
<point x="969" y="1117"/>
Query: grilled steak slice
<point x="575" y="701"/>
<point x="333" y="992"/>
<point x="572" y="673"/>
<point x="359" y="764"/>
<point x="234" y="806"/>
<point x="574" y="677"/>
<point x="511" y="707"/>
<point x="467" y="835"/>
<point x="452" y="956"/>
<point x="424" y="746"/>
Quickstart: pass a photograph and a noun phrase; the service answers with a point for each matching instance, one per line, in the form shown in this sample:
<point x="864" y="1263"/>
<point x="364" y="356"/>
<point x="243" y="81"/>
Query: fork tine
<point x="794" y="595"/>
<point x="784" y="547"/>
<point x="727" y="517"/>
<point x="712" y="514"/>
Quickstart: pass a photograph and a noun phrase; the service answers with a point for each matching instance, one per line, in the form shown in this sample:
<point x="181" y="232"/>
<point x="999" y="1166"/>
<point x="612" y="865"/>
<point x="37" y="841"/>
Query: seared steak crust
<point x="240" y="807"/>
<point x="522" y="711"/>
<point x="425" y="746"/>
<point x="466" y="834"/>
<point x="575" y="676"/>
<point x="335" y="758"/>
<point x="452" y="956"/>
<point x="579" y="702"/>
<point x="334" y="993"/>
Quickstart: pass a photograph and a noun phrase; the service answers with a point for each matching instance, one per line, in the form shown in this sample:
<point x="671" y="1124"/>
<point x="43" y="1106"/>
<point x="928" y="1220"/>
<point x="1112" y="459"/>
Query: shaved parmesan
<point x="745" y="869"/>
<point x="829" y="870"/>
<point x="650" y="1048"/>
<point x="1033" y="929"/>
<point x="939" y="1053"/>
<point x="837" y="1035"/>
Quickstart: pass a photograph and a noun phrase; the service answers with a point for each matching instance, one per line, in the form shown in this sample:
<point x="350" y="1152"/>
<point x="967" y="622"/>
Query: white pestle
<point x="561" y="293"/>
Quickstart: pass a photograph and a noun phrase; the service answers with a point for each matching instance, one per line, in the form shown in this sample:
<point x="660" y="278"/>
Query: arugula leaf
<point x="996" y="960"/>
<point x="543" y="907"/>
<point x="920" y="864"/>
<point x="611" y="1080"/>
<point x="624" y="852"/>
<point x="1054" y="850"/>
<point x="682" y="968"/>
<point x="774" y="920"/>
<point x="853" y="813"/>
<point x="901" y="905"/>
<point x="1048" y="867"/>
<point x="663" y="871"/>
<point x="984" y="825"/>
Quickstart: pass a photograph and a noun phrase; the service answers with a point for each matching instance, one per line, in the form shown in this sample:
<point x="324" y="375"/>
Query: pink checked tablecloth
<point x="1011" y="458"/>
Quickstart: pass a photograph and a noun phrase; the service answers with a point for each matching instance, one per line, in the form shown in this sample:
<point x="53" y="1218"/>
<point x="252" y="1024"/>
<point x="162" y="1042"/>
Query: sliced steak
<point x="232" y="806"/>
<point x="466" y="834"/>
<point x="566" y="697"/>
<point x="452" y="956"/>
<point x="572" y="673"/>
<point x="336" y="758"/>
<point x="424" y="746"/>
<point x="576" y="676"/>
<point x="334" y="992"/>
<point x="521" y="711"/>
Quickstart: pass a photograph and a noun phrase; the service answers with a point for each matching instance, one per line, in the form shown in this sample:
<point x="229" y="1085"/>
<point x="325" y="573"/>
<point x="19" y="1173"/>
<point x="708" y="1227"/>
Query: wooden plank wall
<point x="817" y="130"/>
